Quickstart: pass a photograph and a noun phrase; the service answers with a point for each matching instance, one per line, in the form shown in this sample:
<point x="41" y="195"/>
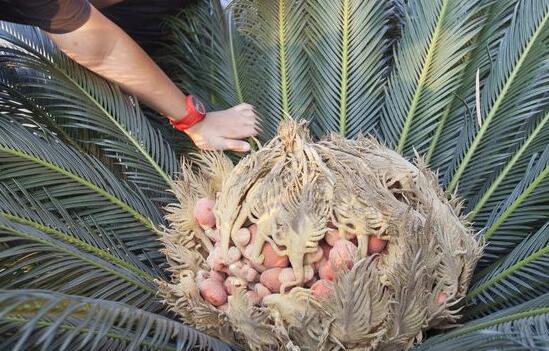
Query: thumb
<point x="237" y="145"/>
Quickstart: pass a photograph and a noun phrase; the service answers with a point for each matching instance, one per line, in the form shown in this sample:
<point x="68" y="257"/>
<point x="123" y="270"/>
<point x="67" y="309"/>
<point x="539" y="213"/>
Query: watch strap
<point x="193" y="115"/>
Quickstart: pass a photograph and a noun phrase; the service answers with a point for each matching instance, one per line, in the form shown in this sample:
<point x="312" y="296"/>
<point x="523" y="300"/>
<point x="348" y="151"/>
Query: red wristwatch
<point x="195" y="113"/>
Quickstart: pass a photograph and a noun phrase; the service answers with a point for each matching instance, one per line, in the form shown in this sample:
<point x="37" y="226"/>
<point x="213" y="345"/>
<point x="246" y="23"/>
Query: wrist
<point x="194" y="113"/>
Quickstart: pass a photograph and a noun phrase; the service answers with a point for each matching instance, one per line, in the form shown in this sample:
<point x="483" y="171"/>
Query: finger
<point x="236" y="145"/>
<point x="244" y="107"/>
<point x="250" y="114"/>
<point x="201" y="143"/>
<point x="257" y="129"/>
<point x="243" y="120"/>
<point x="242" y="132"/>
<point x="257" y="124"/>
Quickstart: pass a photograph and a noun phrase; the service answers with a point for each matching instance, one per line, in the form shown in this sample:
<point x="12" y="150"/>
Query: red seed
<point x="269" y="279"/>
<point x="261" y="290"/>
<point x="203" y="212"/>
<point x="325" y="270"/>
<point x="219" y="276"/>
<point x="252" y="297"/>
<point x="250" y="273"/>
<point x="375" y="244"/>
<point x="286" y="275"/>
<point x="241" y="237"/>
<point x="272" y="259"/>
<point x="342" y="254"/>
<point x="322" y="289"/>
<point x="441" y="297"/>
<point x="213" y="292"/>
<point x="233" y="255"/>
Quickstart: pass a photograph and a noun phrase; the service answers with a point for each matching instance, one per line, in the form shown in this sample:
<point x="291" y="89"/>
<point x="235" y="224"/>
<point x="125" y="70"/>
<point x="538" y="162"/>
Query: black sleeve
<point x="54" y="16"/>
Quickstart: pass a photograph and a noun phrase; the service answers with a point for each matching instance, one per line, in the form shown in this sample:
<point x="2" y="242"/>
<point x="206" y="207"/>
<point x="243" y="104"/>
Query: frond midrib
<point x="422" y="78"/>
<point x="344" y="66"/>
<point x="493" y="111"/>
<point x="65" y="326"/>
<point x="475" y="310"/>
<point x="515" y="316"/>
<point x="282" y="55"/>
<point x="515" y="204"/>
<point x="497" y="278"/>
<point x="79" y="244"/>
<point x="234" y="67"/>
<point x="111" y="198"/>
<point x="507" y="169"/>
<point x="87" y="260"/>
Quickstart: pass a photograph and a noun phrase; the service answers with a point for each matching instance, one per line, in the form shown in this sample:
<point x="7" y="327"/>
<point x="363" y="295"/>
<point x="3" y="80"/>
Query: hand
<point x="223" y="130"/>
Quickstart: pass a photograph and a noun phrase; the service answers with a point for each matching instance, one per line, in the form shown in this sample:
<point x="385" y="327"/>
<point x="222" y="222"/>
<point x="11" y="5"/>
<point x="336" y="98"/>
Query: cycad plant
<point x="84" y="174"/>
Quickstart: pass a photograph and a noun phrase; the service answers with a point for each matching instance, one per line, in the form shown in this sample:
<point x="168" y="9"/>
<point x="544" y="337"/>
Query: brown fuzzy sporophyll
<point x="303" y="245"/>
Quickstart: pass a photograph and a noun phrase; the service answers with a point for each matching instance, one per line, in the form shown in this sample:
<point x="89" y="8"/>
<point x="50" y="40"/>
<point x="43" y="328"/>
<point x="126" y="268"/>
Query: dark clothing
<point x="54" y="16"/>
<point x="141" y="19"/>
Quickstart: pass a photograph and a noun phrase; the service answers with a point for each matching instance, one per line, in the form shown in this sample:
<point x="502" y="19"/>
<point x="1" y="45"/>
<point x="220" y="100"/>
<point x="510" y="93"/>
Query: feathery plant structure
<point x="292" y="190"/>
<point x="85" y="175"/>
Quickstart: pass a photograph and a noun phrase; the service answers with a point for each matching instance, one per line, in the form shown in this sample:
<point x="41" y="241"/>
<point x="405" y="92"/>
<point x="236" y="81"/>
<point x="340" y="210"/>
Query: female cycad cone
<point x="345" y="244"/>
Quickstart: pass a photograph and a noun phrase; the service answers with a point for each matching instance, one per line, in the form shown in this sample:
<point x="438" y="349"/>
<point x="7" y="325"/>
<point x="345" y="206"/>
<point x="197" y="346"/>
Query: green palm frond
<point x="428" y="63"/>
<point x="484" y="340"/>
<point x="78" y="99"/>
<point x="277" y="29"/>
<point x="348" y="45"/>
<point x="20" y="207"/>
<point x="216" y="48"/>
<point x="523" y="327"/>
<point x="47" y="168"/>
<point x="57" y="261"/>
<point x="405" y="70"/>
<point x="23" y="109"/>
<point x="518" y="278"/>
<point x="513" y="93"/>
<point x="45" y="320"/>
<point x="502" y="182"/>
<point x="497" y="15"/>
<point x="522" y="212"/>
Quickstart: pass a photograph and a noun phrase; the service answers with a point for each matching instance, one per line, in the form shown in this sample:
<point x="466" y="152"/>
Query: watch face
<point x="198" y="105"/>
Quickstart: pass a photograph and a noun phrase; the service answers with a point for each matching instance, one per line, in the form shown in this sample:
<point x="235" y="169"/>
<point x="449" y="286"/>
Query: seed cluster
<point x="271" y="274"/>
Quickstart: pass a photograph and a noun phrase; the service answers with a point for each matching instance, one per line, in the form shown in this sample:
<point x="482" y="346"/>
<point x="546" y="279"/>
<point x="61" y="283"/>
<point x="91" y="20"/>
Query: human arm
<point x="107" y="50"/>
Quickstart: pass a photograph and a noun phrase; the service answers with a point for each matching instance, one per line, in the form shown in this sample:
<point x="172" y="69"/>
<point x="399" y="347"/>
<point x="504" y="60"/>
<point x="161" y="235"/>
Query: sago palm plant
<point x="84" y="175"/>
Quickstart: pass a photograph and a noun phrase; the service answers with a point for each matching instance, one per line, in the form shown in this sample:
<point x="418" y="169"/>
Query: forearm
<point x="105" y="49"/>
